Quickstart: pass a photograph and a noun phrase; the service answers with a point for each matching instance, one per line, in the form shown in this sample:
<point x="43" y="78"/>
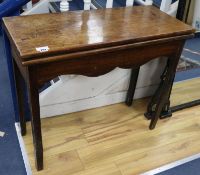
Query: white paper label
<point x="2" y="134"/>
<point x="42" y="49"/>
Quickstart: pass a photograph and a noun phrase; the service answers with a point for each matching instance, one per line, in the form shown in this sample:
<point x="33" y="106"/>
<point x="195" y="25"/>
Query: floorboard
<point x="115" y="140"/>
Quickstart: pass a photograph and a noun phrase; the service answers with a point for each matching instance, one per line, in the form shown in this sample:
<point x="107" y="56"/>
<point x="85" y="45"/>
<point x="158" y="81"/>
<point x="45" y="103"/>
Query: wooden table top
<point x="85" y="30"/>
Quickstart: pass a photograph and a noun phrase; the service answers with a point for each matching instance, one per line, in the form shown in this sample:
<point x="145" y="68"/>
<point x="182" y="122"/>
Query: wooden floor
<point x="115" y="140"/>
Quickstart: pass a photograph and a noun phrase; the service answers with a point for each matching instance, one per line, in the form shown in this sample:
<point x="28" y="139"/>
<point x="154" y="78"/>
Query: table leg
<point x="160" y="101"/>
<point x="132" y="86"/>
<point x="166" y="112"/>
<point x="20" y="97"/>
<point x="35" y="121"/>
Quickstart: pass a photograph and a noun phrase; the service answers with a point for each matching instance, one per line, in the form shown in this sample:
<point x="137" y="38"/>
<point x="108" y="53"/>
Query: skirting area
<point x="115" y="140"/>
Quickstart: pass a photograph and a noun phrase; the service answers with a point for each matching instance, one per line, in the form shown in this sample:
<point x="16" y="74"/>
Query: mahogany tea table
<point x="92" y="43"/>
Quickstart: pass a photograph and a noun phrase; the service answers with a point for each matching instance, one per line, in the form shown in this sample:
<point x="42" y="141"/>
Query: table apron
<point x="101" y="63"/>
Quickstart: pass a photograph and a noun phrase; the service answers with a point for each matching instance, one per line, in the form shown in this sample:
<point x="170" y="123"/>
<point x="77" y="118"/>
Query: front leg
<point x="35" y="118"/>
<point x="163" y="95"/>
<point x="152" y="104"/>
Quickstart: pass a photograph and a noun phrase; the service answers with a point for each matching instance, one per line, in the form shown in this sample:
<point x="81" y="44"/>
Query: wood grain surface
<point x="114" y="140"/>
<point x="86" y="30"/>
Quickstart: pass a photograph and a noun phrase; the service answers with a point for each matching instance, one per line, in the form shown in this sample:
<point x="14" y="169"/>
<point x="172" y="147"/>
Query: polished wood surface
<point x="114" y="140"/>
<point x="86" y="30"/>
